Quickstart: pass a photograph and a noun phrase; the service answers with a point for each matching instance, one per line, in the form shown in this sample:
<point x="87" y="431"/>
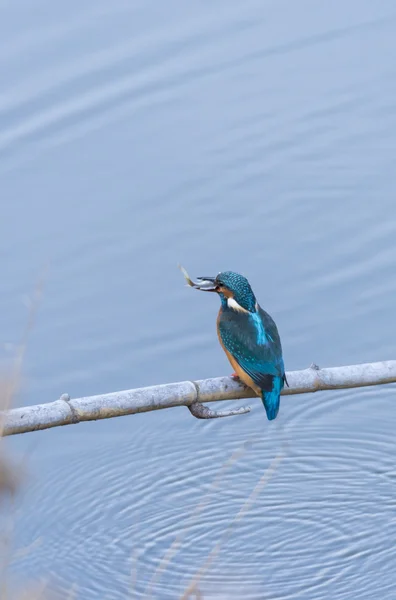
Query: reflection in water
<point x="226" y="137"/>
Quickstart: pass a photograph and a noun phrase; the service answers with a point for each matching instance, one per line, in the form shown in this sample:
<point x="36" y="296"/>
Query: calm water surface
<point x="258" y="137"/>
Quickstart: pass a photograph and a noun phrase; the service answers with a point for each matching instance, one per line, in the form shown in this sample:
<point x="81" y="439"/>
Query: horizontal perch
<point x="192" y="394"/>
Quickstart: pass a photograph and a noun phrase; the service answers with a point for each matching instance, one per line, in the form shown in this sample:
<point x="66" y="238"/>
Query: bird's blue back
<point x="253" y="340"/>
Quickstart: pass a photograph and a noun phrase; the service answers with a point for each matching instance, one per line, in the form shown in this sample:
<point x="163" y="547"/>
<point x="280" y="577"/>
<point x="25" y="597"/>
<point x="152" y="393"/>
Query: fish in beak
<point x="205" y="284"/>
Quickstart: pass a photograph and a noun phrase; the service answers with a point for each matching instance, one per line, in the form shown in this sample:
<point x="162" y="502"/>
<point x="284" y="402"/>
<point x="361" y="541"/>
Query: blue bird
<point x="249" y="338"/>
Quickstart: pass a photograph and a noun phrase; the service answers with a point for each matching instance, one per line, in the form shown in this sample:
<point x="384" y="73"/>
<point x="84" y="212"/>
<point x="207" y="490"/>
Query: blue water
<point x="258" y="137"/>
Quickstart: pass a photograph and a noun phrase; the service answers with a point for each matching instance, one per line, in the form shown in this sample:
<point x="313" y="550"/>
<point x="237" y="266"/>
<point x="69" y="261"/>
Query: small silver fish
<point x="205" y="285"/>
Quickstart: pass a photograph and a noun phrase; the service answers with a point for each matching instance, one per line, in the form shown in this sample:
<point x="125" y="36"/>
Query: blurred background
<point x="258" y="137"/>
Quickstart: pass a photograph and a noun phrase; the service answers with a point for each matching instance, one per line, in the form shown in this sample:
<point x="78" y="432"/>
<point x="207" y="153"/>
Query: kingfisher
<point x="249" y="337"/>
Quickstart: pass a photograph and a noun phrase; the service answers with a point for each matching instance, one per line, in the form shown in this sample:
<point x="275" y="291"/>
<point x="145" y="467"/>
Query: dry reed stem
<point x="192" y="587"/>
<point x="9" y="477"/>
<point x="176" y="544"/>
<point x="15" y="376"/>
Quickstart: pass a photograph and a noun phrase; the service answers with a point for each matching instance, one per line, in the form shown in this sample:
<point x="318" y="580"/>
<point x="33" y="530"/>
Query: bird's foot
<point x="235" y="377"/>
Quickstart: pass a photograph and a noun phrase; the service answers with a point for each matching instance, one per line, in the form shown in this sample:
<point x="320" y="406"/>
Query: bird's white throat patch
<point x="232" y="303"/>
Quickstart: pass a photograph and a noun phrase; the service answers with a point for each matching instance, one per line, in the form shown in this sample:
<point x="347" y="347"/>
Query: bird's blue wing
<point x="253" y="340"/>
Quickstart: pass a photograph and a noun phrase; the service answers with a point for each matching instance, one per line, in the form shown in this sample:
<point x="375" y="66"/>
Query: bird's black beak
<point x="206" y="284"/>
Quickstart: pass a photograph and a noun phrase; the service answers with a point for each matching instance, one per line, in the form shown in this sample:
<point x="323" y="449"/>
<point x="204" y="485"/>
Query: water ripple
<point x="318" y="523"/>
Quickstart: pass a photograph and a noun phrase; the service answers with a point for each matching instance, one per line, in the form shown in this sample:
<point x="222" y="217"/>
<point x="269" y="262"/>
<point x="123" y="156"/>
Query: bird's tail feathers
<point x="271" y="399"/>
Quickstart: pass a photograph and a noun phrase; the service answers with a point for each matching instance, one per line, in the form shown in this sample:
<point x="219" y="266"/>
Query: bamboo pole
<point x="66" y="411"/>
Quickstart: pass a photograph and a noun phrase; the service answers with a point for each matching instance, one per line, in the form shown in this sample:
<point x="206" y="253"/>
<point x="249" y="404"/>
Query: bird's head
<point x="234" y="290"/>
